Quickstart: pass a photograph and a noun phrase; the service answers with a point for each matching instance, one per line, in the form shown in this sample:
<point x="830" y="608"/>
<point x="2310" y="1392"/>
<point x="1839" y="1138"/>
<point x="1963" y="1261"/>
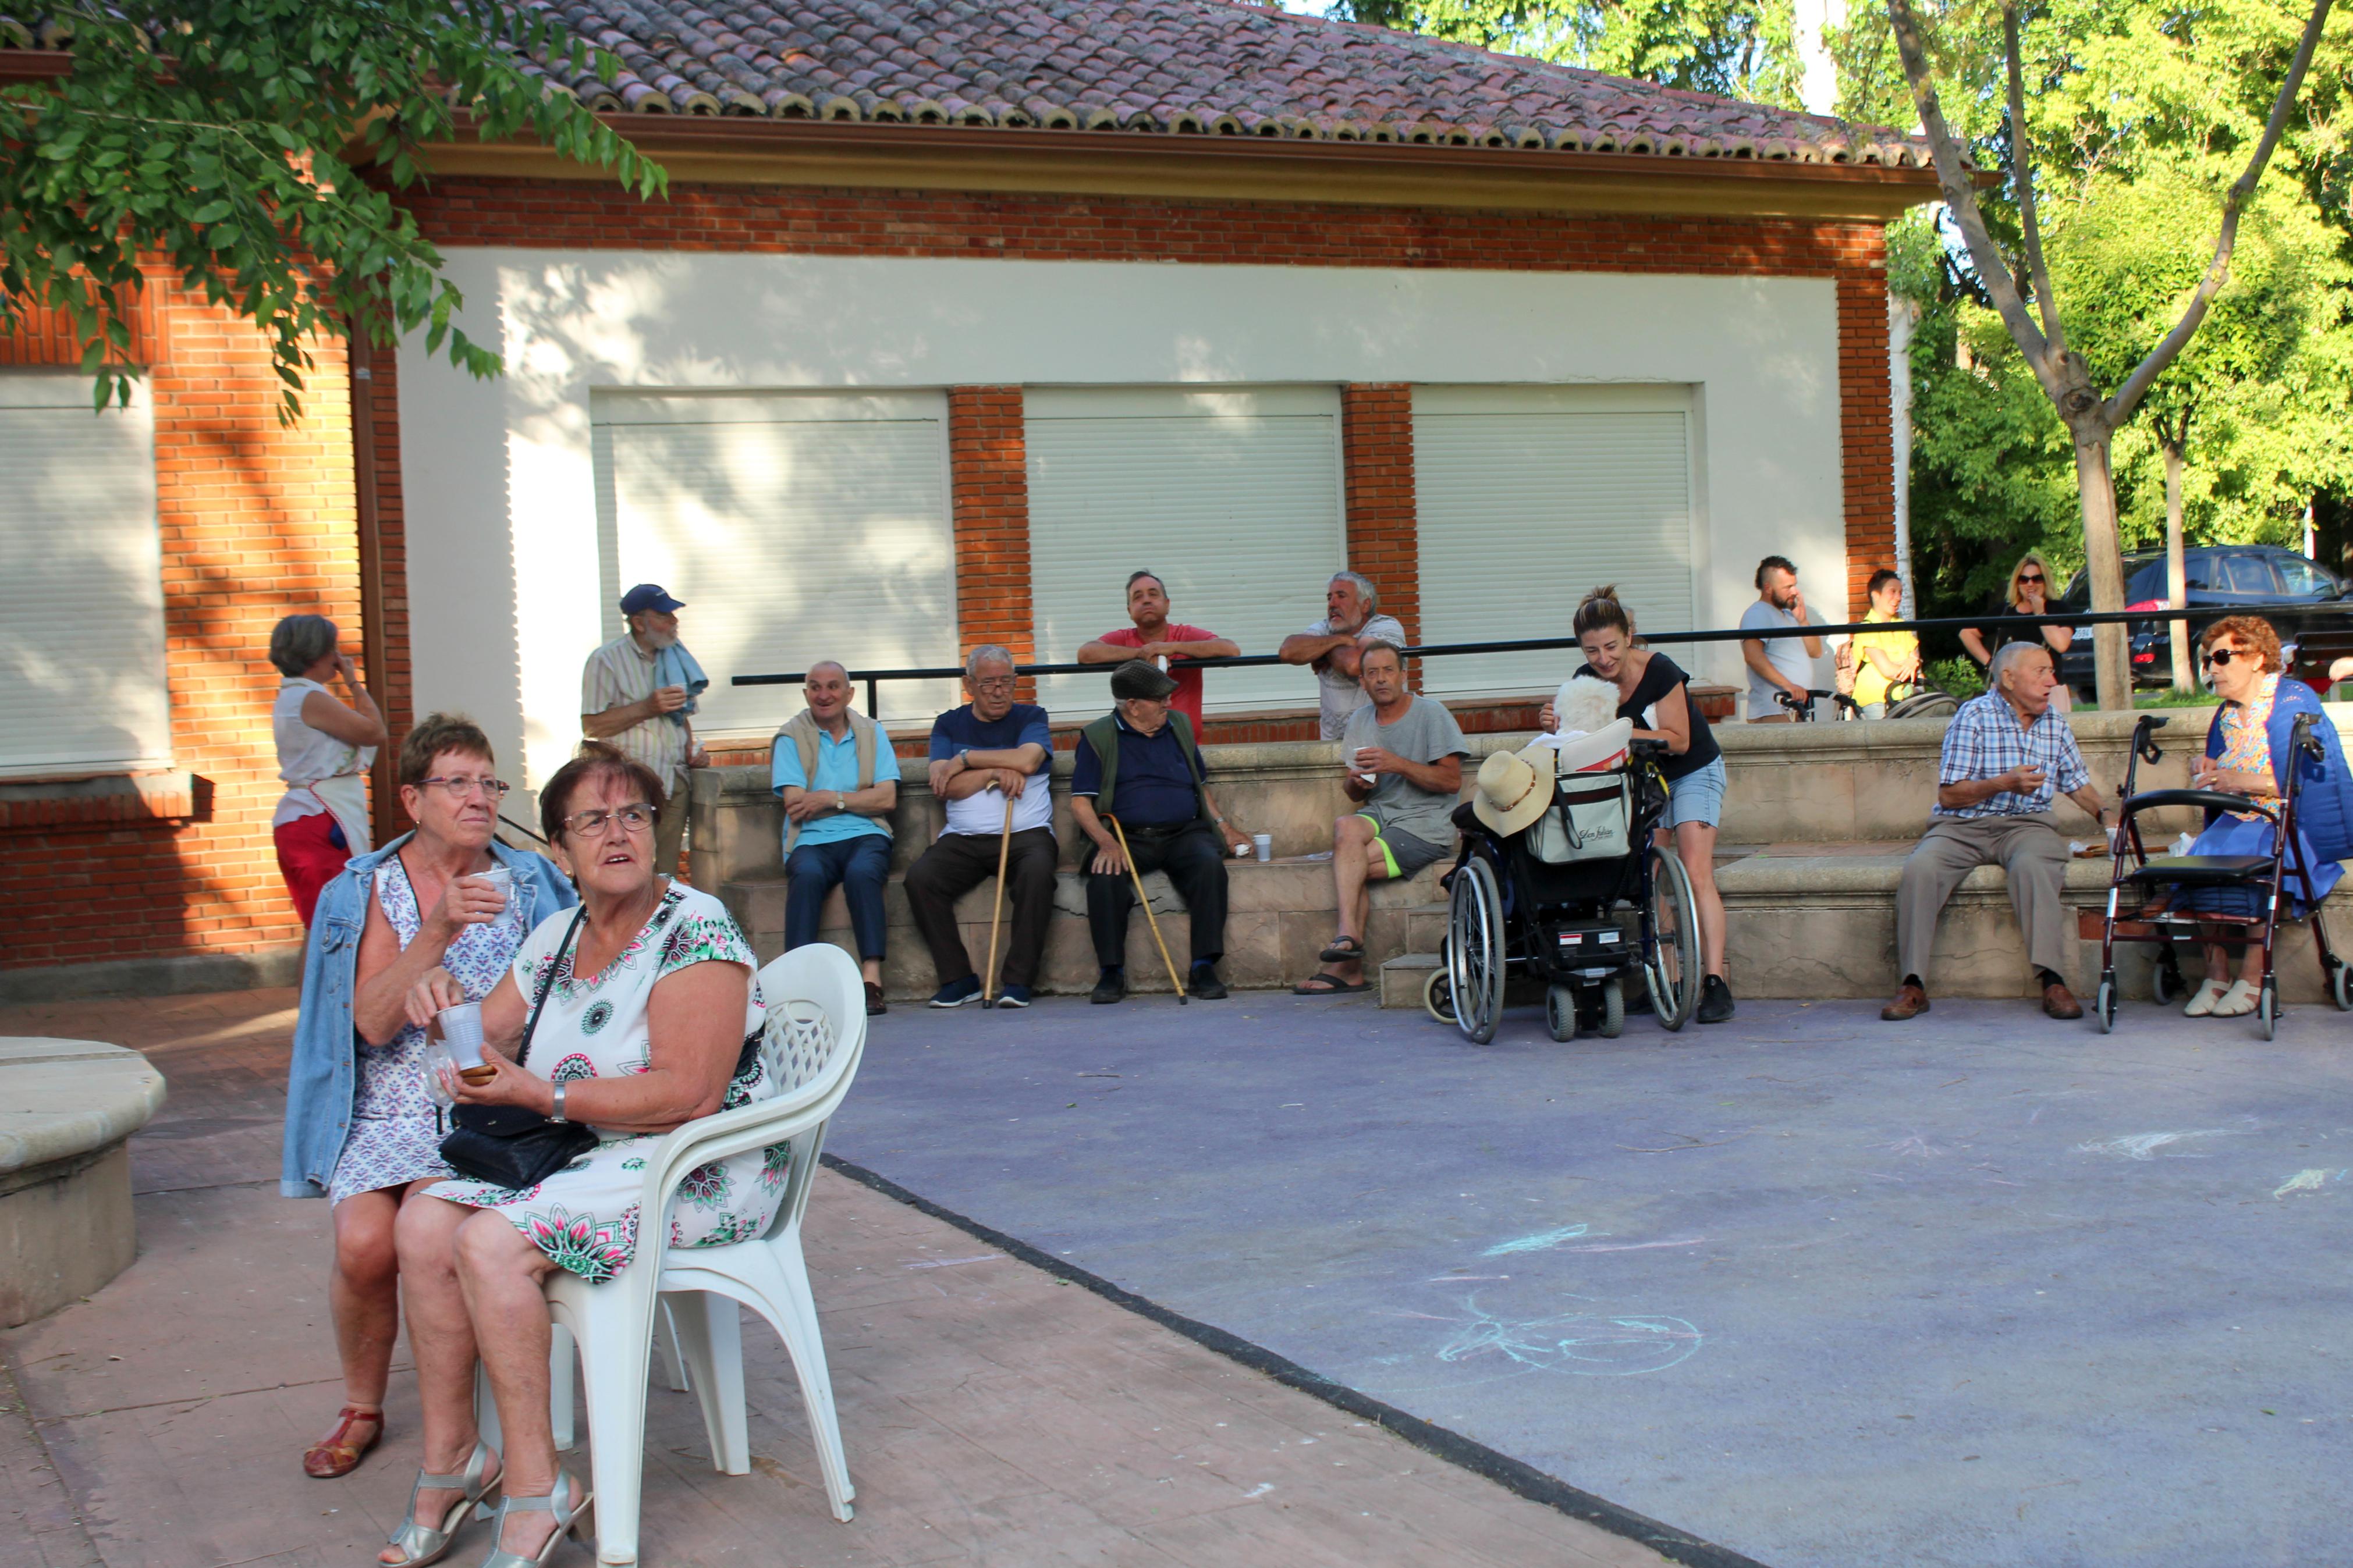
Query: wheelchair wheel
<point x="1438" y="995"/>
<point x="1613" y="1008"/>
<point x="1672" y="968"/>
<point x="2165" y="986"/>
<point x="2267" y="1009"/>
<point x="1475" y="950"/>
<point x="1560" y="1013"/>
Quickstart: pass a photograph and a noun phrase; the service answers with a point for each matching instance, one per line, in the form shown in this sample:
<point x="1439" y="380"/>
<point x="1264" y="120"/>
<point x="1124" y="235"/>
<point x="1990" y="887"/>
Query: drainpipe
<point x="1903" y="315"/>
<point x="374" y="645"/>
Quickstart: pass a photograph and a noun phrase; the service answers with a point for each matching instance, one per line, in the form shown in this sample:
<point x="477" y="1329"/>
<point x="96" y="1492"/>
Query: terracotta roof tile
<point x="1161" y="66"/>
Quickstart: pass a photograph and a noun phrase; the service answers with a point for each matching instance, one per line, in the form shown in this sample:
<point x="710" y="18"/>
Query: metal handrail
<point x="2298" y="613"/>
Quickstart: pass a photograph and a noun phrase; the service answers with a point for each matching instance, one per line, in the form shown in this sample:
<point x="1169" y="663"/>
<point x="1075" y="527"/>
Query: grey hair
<point x="1364" y="589"/>
<point x="2005" y="655"/>
<point x="298" y="642"/>
<point x="986" y="653"/>
<point x="1372" y="645"/>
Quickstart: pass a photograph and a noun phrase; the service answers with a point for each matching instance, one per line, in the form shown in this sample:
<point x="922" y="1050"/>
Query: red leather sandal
<point x="337" y="1454"/>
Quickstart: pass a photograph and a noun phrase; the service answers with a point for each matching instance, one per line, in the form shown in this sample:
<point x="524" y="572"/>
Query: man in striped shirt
<point x="624" y="703"/>
<point x="2008" y="755"/>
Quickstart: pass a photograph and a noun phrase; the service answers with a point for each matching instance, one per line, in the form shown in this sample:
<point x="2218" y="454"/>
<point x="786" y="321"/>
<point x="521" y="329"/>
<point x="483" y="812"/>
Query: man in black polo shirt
<point x="1141" y="764"/>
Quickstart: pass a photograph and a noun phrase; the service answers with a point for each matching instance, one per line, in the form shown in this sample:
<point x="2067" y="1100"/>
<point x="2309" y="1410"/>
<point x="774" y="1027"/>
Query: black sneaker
<point x="1111" y="987"/>
<point x="1715" y="1001"/>
<point x="1205" y="983"/>
<point x="956" y="993"/>
<point x="1014" y="996"/>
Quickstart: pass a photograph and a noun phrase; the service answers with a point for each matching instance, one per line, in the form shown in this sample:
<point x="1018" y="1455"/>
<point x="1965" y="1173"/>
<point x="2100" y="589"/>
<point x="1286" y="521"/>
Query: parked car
<point x="2222" y="580"/>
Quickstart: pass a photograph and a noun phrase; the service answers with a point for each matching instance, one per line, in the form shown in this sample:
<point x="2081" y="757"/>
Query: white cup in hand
<point x="461" y="1028"/>
<point x="502" y="879"/>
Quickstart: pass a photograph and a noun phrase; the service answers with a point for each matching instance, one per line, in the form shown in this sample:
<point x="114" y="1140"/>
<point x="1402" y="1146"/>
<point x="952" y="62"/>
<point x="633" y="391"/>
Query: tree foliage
<point x="1740" y="49"/>
<point x="227" y="139"/>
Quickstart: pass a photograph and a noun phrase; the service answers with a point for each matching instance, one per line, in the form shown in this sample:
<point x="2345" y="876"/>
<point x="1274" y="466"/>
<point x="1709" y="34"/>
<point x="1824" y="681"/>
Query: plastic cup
<point x="1263" y="843"/>
<point x="502" y="879"/>
<point x="461" y="1030"/>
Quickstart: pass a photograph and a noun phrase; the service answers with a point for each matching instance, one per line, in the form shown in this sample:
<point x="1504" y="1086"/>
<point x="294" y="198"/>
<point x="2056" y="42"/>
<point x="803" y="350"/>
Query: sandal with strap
<point x="568" y="1521"/>
<point x="1342" y="950"/>
<point x="336" y="1454"/>
<point x="423" y="1543"/>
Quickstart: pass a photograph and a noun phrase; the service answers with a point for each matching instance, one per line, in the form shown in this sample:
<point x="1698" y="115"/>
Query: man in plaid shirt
<point x="2007" y="755"/>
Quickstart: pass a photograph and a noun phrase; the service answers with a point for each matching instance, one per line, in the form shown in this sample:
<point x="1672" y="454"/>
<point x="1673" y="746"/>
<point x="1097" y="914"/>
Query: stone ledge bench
<point x="68" y="1109"/>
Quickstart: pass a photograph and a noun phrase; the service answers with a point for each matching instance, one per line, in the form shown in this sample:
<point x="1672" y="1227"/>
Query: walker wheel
<point x="2267" y="1009"/>
<point x="2165" y="986"/>
<point x="1560" y="1011"/>
<point x="2104" y="1005"/>
<point x="1613" y="1008"/>
<point x="2341" y="985"/>
<point x="1438" y="996"/>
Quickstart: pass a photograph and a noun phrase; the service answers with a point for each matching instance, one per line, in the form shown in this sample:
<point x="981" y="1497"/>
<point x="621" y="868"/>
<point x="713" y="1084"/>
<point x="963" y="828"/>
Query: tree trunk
<point x="2097" y="483"/>
<point x="2177" y="579"/>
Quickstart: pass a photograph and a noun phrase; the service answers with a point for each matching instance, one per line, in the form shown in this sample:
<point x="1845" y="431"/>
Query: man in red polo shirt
<point x="1154" y="636"/>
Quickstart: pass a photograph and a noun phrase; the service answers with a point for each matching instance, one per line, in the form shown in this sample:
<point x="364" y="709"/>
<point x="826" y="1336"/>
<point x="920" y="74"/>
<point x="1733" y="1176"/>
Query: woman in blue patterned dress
<point x="358" y="1112"/>
<point x="651" y="1006"/>
<point x="2249" y="750"/>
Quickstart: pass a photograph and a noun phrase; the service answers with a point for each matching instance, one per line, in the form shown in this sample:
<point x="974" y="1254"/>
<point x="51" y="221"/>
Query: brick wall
<point x="255" y="522"/>
<point x="1866" y="438"/>
<point x="988" y="456"/>
<point x="1376" y="459"/>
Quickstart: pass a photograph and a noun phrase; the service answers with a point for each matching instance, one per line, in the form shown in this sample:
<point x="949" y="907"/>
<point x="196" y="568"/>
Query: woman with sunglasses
<point x="2249" y="749"/>
<point x="2027" y="593"/>
<point x="361" y="1128"/>
<point x="649" y="1006"/>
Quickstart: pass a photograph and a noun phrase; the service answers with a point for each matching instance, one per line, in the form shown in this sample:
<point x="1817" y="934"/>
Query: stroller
<point x="1580" y="897"/>
<point x="2151" y="875"/>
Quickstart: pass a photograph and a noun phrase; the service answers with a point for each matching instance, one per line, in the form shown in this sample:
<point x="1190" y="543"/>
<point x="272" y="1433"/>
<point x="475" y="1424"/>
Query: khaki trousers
<point x="670" y="827"/>
<point x="2033" y="857"/>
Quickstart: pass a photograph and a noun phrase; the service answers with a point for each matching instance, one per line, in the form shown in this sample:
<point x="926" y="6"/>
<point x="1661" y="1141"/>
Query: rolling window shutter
<point x="796" y="528"/>
<point x="1232" y="497"/>
<point x="1530" y="497"/>
<point x="82" y="590"/>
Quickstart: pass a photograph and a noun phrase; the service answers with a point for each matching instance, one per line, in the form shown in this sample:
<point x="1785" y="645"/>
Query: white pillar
<point x="1902" y="316"/>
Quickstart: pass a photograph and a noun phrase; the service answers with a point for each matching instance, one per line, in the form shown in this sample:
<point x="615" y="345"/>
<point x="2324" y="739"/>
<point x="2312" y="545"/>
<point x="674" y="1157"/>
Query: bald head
<point x="828" y="692"/>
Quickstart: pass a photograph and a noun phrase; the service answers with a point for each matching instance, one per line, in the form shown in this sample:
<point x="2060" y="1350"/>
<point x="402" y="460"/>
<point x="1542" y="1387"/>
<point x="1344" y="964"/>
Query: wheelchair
<point x="2151" y="879"/>
<point x="1581" y="900"/>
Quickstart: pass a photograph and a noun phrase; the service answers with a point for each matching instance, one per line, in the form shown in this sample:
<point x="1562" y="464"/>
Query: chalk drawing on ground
<point x="1587" y="1345"/>
<point x="2307" y="1182"/>
<point x="1540" y="1242"/>
<point x="2145" y="1145"/>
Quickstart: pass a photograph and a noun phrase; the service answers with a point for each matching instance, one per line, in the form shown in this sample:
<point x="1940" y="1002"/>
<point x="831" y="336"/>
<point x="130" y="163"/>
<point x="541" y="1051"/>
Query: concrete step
<point x="1279" y="917"/>
<point x="1805" y="925"/>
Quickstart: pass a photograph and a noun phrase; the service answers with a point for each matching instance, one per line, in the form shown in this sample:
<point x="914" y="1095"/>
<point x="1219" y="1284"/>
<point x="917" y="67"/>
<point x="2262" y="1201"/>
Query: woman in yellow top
<point x="1883" y="659"/>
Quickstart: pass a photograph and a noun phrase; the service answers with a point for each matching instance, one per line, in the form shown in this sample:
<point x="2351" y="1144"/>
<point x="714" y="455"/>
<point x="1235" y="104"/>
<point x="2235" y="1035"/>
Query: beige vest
<point x="802" y="729"/>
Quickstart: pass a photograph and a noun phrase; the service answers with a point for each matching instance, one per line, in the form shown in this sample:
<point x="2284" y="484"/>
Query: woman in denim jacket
<point x="361" y="1128"/>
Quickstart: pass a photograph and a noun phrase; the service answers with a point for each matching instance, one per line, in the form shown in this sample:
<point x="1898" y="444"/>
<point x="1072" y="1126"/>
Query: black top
<point x="1154" y="784"/>
<point x="1998" y="606"/>
<point x="1660" y="677"/>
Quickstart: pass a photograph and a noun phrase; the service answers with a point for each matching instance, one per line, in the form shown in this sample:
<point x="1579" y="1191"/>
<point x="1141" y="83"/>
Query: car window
<point x="2147" y="584"/>
<point x="2198" y="572"/>
<point x="2248" y="575"/>
<point x="2303" y="577"/>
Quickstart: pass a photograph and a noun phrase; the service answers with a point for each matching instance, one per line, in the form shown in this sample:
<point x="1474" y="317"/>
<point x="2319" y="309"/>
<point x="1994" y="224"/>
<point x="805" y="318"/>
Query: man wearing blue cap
<point x="638" y="693"/>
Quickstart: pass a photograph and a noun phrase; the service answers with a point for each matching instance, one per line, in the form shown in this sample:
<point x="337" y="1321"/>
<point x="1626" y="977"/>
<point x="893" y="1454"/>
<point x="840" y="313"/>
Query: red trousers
<point x="308" y="858"/>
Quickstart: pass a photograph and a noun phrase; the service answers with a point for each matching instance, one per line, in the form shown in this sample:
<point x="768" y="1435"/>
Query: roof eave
<point x="732" y="149"/>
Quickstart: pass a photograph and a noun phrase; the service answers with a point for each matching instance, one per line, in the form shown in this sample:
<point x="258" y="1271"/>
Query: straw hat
<point x="1512" y="792"/>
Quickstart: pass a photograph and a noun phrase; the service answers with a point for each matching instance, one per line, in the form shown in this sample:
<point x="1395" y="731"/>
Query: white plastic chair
<point x="816" y="1034"/>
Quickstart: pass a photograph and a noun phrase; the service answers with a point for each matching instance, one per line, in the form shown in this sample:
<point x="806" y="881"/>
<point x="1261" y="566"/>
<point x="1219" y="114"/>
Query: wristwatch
<point x="841" y="801"/>
<point x="556" y="1112"/>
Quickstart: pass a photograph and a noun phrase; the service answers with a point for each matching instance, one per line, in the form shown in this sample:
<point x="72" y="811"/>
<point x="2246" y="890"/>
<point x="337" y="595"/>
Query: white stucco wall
<point x="498" y="482"/>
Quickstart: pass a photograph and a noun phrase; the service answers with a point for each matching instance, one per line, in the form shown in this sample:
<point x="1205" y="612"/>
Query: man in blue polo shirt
<point x="991" y="753"/>
<point x="839" y="781"/>
<point x="1140" y="764"/>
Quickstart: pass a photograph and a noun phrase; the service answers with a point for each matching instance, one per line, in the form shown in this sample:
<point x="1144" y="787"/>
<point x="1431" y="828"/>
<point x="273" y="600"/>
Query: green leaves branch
<point x="254" y="147"/>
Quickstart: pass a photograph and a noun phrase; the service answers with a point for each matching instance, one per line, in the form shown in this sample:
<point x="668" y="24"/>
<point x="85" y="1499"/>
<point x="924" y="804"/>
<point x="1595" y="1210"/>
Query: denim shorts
<point x="1697" y="796"/>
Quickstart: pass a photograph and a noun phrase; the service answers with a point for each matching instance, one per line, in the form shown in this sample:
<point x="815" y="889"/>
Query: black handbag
<point x="506" y="1145"/>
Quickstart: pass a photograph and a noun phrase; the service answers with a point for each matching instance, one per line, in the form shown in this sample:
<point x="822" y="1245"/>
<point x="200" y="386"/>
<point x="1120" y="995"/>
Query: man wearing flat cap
<point x="1141" y="764"/>
<point x="638" y="692"/>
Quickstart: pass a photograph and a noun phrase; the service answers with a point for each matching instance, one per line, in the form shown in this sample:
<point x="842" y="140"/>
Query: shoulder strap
<point x="539" y="1003"/>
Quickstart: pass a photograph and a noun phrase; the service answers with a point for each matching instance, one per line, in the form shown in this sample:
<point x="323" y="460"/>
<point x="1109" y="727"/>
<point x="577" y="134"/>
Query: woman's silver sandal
<point x="422" y="1542"/>
<point x="567" y="1523"/>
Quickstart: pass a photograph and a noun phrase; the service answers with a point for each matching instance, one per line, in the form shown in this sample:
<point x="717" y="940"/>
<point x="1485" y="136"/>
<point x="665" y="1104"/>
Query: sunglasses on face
<point x="2026" y="577"/>
<point x="2219" y="656"/>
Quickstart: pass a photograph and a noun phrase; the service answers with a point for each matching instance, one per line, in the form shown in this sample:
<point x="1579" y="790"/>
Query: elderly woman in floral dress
<point x="2249" y="750"/>
<point x="361" y="1129"/>
<point x="651" y="1014"/>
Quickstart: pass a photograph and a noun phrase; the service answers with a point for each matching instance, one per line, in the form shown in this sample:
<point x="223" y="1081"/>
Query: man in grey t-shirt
<point x="1777" y="664"/>
<point x="1403" y="756"/>
<point x="1334" y="645"/>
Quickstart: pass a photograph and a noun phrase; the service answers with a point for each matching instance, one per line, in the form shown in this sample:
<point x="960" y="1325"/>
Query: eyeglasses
<point x="2219" y="655"/>
<point x="2026" y="577"/>
<point x="994" y="683"/>
<point x="633" y="818"/>
<point x="459" y="788"/>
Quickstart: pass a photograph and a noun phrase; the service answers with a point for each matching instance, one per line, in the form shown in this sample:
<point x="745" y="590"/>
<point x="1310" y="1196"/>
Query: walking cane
<point x="1153" y="920"/>
<point x="996" y="909"/>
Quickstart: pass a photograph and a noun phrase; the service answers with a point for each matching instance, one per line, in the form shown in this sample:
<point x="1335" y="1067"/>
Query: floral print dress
<point x="396" y="1137"/>
<point x="585" y="1215"/>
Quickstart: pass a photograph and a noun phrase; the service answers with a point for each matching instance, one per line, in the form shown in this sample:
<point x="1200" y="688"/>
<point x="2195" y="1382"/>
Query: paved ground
<point x="1982" y="1289"/>
<point x="993" y="1415"/>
